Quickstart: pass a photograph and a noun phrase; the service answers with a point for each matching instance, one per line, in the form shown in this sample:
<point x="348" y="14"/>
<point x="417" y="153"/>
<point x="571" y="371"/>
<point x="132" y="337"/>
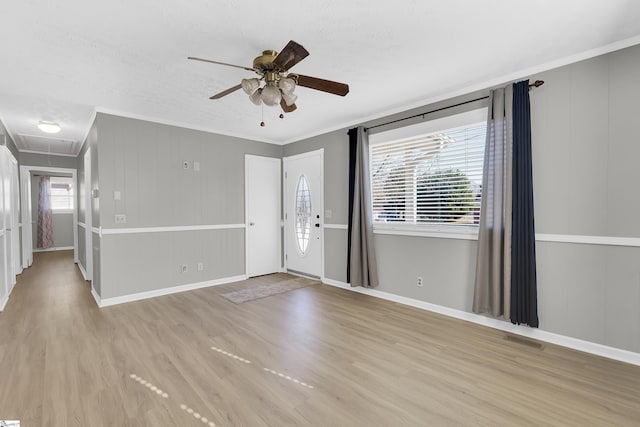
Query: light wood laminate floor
<point x="363" y="362"/>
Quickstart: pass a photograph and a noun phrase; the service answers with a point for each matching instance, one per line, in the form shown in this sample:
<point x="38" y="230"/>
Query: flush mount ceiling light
<point x="279" y="84"/>
<point x="49" y="127"/>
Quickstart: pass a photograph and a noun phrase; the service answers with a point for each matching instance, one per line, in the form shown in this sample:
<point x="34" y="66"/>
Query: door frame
<point x="27" y="209"/>
<point x="246" y="212"/>
<point x="16" y="264"/>
<point x="321" y="199"/>
<point x="88" y="216"/>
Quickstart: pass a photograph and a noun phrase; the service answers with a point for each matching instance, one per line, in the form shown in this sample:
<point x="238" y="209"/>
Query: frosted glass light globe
<point x="270" y="95"/>
<point x="249" y="85"/>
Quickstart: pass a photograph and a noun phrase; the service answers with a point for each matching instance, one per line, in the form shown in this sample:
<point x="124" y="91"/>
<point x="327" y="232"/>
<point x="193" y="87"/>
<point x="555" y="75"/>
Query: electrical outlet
<point x="200" y="266"/>
<point x="184" y="268"/>
<point x="121" y="219"/>
<point x="117" y="195"/>
<point x="419" y="282"/>
<point x="185" y="165"/>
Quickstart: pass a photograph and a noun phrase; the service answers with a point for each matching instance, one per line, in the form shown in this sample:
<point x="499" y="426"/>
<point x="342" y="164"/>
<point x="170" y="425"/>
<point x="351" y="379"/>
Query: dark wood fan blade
<point x="324" y="85"/>
<point x="225" y="92"/>
<point x="287" y="108"/>
<point x="290" y="55"/>
<point x="221" y="63"/>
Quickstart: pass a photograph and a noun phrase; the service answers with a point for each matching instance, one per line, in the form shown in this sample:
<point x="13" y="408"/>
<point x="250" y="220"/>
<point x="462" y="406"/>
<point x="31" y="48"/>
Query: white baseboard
<point x="3" y="302"/>
<point x="96" y="296"/>
<point x="106" y="302"/>
<point x="525" y="331"/>
<point x="82" y="270"/>
<point x="61" y="248"/>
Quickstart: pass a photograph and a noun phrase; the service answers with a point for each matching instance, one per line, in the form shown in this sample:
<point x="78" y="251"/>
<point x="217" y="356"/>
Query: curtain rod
<point x="535" y="84"/>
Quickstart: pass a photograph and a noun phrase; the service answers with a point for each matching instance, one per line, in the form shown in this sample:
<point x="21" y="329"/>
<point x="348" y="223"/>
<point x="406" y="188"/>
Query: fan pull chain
<point x="262" y="115"/>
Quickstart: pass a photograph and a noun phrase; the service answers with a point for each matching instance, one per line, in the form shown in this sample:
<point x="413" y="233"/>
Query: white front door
<point x="262" y="215"/>
<point x="304" y="200"/>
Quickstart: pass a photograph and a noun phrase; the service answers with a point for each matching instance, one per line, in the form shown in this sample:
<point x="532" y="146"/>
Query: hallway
<point x="312" y="356"/>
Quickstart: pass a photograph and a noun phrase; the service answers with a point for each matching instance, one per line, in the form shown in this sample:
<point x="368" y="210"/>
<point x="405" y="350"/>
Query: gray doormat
<point x="263" y="291"/>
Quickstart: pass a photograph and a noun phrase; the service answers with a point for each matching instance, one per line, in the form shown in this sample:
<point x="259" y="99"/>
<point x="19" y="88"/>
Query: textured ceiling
<point x="63" y="60"/>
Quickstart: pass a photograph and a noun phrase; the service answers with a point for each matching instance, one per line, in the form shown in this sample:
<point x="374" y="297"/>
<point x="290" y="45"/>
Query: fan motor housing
<point x="264" y="62"/>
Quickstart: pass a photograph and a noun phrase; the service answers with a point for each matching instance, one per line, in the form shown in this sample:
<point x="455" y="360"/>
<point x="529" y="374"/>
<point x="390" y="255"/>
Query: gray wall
<point x="143" y="161"/>
<point x="585" y="151"/>
<point x="34" y="159"/>
<point x="5" y="139"/>
<point x="62" y="222"/>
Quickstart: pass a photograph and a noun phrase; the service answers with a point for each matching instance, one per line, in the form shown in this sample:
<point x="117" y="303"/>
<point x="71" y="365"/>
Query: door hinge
<point x="285" y="175"/>
<point x="286" y="256"/>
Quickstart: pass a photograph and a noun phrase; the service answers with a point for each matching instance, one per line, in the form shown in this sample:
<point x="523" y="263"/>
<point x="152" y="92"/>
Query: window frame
<point x="437" y="230"/>
<point x="71" y="196"/>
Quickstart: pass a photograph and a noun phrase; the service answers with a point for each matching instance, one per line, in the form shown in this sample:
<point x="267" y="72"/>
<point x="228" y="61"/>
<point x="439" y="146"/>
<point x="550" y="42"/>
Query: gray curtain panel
<point x="493" y="264"/>
<point x="362" y="265"/>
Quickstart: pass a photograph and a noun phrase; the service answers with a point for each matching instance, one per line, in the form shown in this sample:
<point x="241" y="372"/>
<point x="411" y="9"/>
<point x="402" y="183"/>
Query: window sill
<point x="62" y="211"/>
<point x="459" y="233"/>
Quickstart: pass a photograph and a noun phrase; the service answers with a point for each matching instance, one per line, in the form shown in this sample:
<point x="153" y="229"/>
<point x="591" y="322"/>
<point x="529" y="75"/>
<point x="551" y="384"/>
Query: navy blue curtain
<point x="524" y="300"/>
<point x="353" y="141"/>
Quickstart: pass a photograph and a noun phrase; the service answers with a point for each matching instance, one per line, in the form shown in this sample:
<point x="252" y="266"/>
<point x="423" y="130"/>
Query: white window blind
<point x="61" y="194"/>
<point x="433" y="178"/>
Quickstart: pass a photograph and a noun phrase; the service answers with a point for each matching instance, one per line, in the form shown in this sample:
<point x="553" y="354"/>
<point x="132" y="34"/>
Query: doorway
<point x="27" y="211"/>
<point x="304" y="208"/>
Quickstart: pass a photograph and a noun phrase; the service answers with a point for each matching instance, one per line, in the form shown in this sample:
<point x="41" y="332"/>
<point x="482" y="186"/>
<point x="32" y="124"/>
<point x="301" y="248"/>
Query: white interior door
<point x="14" y="218"/>
<point x="304" y="207"/>
<point x="88" y="222"/>
<point x="263" y="215"/>
<point x="5" y="266"/>
<point x="10" y="229"/>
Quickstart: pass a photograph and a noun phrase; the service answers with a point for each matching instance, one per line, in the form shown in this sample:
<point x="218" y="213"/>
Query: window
<point x="303" y="214"/>
<point x="61" y="194"/>
<point x="430" y="174"/>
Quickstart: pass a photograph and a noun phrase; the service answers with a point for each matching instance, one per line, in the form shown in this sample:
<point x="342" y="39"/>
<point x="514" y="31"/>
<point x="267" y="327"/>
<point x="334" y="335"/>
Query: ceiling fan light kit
<point x="279" y="84"/>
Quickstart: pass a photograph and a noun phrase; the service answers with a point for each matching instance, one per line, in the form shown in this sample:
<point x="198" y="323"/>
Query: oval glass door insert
<point x="303" y="214"/>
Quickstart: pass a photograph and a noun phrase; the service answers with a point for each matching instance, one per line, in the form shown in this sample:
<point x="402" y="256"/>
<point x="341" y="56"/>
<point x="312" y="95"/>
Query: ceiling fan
<point x="273" y="69"/>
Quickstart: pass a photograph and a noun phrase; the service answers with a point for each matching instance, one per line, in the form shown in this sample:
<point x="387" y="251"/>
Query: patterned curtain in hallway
<point x="45" y="216"/>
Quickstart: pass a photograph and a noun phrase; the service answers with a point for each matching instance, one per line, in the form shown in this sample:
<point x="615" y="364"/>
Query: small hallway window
<point x="61" y="194"/>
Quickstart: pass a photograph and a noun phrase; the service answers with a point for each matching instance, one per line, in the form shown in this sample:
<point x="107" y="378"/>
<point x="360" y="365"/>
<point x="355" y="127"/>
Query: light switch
<point x="328" y="213"/>
<point x="196" y="166"/>
<point x="117" y="195"/>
